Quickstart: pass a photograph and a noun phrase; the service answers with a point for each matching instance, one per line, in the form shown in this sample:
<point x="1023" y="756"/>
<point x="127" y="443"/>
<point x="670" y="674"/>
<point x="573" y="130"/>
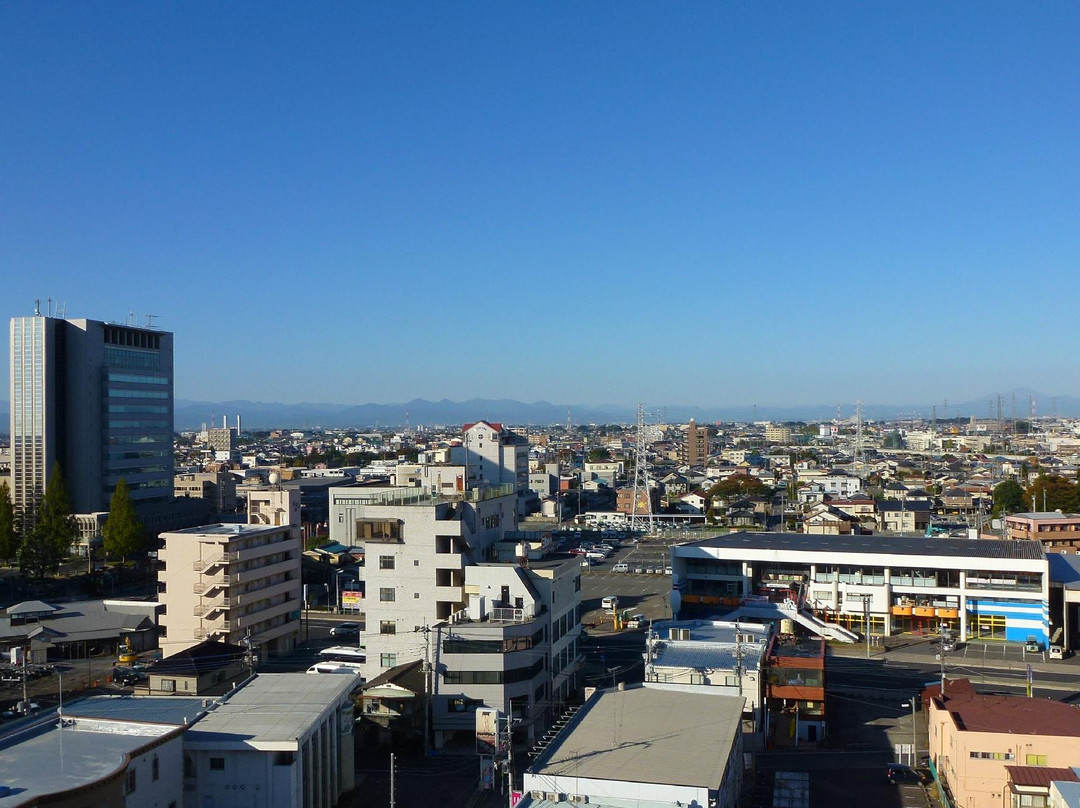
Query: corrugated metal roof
<point x="877" y="544"/>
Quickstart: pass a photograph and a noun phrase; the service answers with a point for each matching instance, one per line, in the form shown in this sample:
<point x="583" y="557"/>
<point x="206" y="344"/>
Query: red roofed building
<point x="975" y="739"/>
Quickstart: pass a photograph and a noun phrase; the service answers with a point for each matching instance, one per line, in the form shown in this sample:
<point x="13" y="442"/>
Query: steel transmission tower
<point x="641" y="477"/>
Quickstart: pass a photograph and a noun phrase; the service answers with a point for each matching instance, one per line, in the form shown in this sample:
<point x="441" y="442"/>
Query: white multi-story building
<point x="515" y="647"/>
<point x="235" y="582"/>
<point x="710" y="656"/>
<point x="492" y="454"/>
<point x="417" y="544"/>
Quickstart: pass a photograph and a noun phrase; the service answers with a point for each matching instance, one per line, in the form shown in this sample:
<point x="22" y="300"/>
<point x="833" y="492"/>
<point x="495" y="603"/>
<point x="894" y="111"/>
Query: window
<point x="386" y="562"/>
<point x="217" y="764"/>
<point x="155" y="768"/>
<point x="388" y="660"/>
<point x="1035" y="760"/>
<point x="387" y="595"/>
<point x="129" y="782"/>
<point x="387" y="627"/>
<point x="168" y="685"/>
<point x="189" y="766"/>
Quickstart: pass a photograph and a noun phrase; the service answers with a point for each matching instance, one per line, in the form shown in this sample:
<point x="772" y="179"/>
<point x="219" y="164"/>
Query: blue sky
<point x="676" y="203"/>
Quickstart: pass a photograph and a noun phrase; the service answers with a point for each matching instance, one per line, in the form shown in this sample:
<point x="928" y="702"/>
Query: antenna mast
<point x="641" y="477"/>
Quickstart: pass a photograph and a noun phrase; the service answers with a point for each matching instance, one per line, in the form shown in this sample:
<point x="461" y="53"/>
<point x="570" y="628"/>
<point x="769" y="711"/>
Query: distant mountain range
<point x="265" y="415"/>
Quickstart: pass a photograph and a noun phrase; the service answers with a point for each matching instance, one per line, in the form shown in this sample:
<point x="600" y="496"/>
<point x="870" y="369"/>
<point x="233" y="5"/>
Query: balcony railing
<point x="214" y="561"/>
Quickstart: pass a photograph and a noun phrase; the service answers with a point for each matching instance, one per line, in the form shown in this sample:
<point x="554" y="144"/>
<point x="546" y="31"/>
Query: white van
<point x="621" y="567"/>
<point x="595" y="555"/>
<point x="609" y="602"/>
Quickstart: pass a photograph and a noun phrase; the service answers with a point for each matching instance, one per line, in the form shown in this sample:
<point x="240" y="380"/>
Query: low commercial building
<point x="991" y="589"/>
<point x="77" y="761"/>
<point x="643" y="745"/>
<point x="710" y="656"/>
<point x="975" y="738"/>
<point x="1059" y="532"/>
<point x="794" y="691"/>
<point x="281" y="741"/>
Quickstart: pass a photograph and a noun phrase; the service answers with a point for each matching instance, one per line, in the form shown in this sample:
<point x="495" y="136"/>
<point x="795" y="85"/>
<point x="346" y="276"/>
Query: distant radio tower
<point x="641" y="476"/>
<point x="837" y="412"/>
<point x="858" y="436"/>
<point x="408" y="429"/>
<point x="568" y="421"/>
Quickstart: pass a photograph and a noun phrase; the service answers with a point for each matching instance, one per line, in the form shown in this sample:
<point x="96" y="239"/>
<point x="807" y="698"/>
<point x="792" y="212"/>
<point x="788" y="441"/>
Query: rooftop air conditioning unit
<point x="580" y="798"/>
<point x="536" y="795"/>
<point x="551" y="796"/>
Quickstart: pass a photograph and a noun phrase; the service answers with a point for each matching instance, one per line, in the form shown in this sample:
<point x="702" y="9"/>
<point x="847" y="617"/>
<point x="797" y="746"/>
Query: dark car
<point x="901" y="773"/>
<point x="345" y="630"/>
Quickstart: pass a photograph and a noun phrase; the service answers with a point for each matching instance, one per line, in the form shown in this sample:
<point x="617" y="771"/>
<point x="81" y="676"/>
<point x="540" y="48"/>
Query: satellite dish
<point x="275" y="478"/>
<point x="675" y="599"/>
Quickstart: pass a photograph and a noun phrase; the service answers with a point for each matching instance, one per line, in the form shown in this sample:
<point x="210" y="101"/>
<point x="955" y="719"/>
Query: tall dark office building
<point x="98" y="398"/>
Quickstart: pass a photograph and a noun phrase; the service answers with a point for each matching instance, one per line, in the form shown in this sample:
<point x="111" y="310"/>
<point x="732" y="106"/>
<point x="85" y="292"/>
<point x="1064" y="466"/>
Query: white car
<point x="609" y="602"/>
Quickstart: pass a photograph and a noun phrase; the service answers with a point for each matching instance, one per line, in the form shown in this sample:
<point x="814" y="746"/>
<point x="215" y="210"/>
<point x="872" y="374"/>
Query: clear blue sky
<point x="677" y="203"/>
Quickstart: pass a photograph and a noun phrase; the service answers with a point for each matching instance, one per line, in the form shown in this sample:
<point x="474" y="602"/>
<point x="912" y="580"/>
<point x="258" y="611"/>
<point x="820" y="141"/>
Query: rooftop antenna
<point x="150" y="320"/>
<point x="37" y="306"/>
<point x="408" y="429"/>
<point x="61" y="311"/>
<point x="49" y="306"/>
<point x="838" y="411"/>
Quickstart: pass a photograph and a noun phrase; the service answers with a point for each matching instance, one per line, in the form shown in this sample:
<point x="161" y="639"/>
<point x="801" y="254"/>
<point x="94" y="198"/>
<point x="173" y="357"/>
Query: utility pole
<point x="428" y="679"/>
<point x="392" y="780"/>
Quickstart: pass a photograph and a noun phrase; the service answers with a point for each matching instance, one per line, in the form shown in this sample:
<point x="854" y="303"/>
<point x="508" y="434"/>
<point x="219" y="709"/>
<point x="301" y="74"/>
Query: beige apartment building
<point x="232" y="582"/>
<point x="1057" y="531"/>
<point x="975" y="739"/>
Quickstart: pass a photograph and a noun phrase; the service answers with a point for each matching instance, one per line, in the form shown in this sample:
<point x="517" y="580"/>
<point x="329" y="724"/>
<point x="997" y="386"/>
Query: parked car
<point x="609" y="602"/>
<point x="637" y="621"/>
<point x="346" y="629"/>
<point x="621" y="567"/>
<point x="901" y="773"/>
<point x="1032" y="644"/>
<point x="1056" y="652"/>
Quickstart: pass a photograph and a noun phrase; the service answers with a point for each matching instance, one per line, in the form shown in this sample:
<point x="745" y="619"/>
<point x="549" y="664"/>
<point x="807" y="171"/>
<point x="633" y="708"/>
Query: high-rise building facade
<point x="97" y="398"/>
<point x="696" y="447"/>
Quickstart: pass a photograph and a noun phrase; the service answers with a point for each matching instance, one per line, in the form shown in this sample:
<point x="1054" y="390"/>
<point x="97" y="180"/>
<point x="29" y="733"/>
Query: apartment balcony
<point x="286" y="607"/>
<point x="450" y="594"/>
<point x="207" y="584"/>
<point x="209" y="607"/>
<point x="268" y="571"/>
<point x="214" y="629"/>
<point x="215" y="561"/>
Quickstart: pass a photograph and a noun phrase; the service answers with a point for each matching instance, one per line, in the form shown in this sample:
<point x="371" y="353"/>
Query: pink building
<point x="975" y="738"/>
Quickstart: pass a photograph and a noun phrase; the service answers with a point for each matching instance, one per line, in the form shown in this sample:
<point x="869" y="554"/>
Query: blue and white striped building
<point x="988" y="589"/>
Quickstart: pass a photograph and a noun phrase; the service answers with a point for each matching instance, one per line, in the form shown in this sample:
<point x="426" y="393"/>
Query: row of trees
<point x="1047" y="492"/>
<point x="42" y="539"/>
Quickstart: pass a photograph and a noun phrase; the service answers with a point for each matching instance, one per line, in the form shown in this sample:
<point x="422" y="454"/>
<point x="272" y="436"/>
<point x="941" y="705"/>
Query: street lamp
<point x="914" y="739"/>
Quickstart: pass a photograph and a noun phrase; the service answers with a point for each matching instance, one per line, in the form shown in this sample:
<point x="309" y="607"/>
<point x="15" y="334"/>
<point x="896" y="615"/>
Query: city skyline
<point x="709" y="206"/>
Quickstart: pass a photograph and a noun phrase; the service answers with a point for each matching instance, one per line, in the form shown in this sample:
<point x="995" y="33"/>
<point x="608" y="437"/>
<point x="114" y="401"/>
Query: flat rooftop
<point x="45" y="759"/>
<point x="876" y="545"/>
<point x="272" y="711"/>
<point x="647" y="735"/>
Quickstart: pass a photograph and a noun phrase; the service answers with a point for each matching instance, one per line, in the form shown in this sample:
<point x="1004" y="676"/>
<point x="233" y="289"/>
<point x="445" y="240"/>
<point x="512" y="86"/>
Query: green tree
<point x="738" y="485"/>
<point x="1049" y="492"/>
<point x="54" y="530"/>
<point x="599" y="455"/>
<point x="122" y="531"/>
<point x="9" y="534"/>
<point x="1008" y="497"/>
